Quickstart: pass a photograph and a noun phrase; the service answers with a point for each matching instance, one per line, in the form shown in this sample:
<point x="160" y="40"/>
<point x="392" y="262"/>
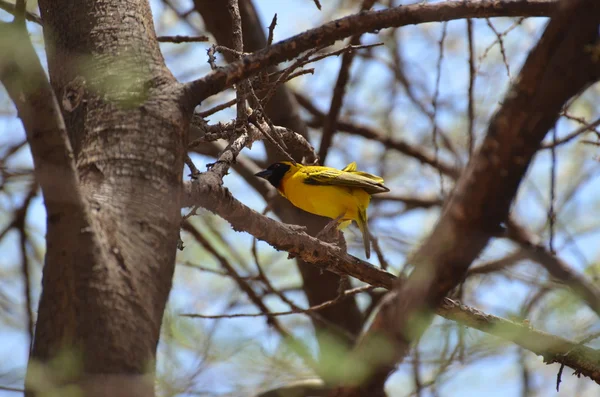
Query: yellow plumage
<point x="329" y="192"/>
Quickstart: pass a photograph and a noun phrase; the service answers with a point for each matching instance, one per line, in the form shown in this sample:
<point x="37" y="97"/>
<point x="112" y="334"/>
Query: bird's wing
<point x="350" y="167"/>
<point x="356" y="179"/>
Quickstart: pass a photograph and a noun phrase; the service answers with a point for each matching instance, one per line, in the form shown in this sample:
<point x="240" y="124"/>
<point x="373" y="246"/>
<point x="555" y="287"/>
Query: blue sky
<point x="204" y="293"/>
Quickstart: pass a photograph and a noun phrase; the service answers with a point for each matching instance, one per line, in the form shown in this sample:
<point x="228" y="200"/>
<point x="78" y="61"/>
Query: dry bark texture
<point x="128" y="132"/>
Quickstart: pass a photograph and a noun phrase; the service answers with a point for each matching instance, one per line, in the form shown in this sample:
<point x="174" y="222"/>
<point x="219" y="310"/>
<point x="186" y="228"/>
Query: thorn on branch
<point x="194" y="171"/>
<point x="272" y="30"/>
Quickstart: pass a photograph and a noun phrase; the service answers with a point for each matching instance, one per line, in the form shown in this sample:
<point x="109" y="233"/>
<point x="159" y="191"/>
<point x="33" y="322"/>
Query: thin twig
<point x="217" y="108"/>
<point x="199" y="237"/>
<point x="591" y="127"/>
<point x="238" y="46"/>
<point x="379" y="252"/>
<point x="339" y="90"/>
<point x="297" y="345"/>
<point x="434" y="104"/>
<point x="485" y="53"/>
<point x="559" y="377"/>
<point x="193" y="170"/>
<point x="321" y="306"/>
<point x="343" y="50"/>
<point x="228" y="104"/>
<point x="12" y="389"/>
<point x="19" y="224"/>
<point x="284" y="75"/>
<point x="416" y="364"/>
<point x="369" y="133"/>
<point x="182" y="39"/>
<point x="279" y="293"/>
<point x="472" y="75"/>
<point x="501" y="43"/>
<point x="551" y="209"/>
<point x="270" y="138"/>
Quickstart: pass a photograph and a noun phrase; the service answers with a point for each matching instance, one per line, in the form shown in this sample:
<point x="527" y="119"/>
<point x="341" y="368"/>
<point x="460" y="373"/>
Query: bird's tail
<point x="363" y="225"/>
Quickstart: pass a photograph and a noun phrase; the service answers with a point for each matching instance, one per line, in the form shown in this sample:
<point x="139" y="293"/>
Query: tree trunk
<point x="120" y="105"/>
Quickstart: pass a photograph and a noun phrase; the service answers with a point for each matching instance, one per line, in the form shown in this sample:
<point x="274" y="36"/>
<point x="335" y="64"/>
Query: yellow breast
<point x="328" y="201"/>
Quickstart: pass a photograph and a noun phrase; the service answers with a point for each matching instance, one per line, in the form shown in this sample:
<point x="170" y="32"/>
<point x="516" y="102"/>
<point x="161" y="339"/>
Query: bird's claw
<point x="324" y="234"/>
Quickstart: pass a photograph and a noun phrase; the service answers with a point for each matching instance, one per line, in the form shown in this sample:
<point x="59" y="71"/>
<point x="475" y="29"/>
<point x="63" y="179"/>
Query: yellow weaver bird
<point x="342" y="195"/>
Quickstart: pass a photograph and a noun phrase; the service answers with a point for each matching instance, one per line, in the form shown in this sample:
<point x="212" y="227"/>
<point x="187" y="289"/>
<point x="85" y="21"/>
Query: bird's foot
<point x="325" y="233"/>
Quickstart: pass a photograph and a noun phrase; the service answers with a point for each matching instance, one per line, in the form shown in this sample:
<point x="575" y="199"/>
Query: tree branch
<point x="25" y="80"/>
<point x="559" y="67"/>
<point x="329" y="257"/>
<point x="397" y="144"/>
<point x="206" y="193"/>
<point x="68" y="219"/>
<point x="217" y="81"/>
<point x="282" y="110"/>
<point x="554" y="349"/>
<point x="337" y="98"/>
<point x="11" y="9"/>
<point x="560" y="270"/>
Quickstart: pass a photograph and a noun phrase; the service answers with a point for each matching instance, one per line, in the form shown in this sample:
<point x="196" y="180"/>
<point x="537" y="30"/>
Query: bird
<point x="342" y="195"/>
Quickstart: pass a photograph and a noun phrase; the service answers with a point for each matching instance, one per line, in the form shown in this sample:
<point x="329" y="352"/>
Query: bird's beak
<point x="265" y="174"/>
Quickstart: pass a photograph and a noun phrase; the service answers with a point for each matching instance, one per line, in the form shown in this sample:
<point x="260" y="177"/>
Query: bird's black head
<point x="274" y="174"/>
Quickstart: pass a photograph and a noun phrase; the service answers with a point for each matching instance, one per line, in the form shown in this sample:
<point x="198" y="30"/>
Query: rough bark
<point x="120" y="105"/>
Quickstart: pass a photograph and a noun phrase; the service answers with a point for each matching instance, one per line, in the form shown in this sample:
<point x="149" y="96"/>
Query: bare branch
<point x="11" y="9"/>
<point x="26" y="271"/>
<point x="558" y="68"/>
<point x="472" y="75"/>
<point x="329" y="257"/>
<point x="393" y="143"/>
<point x="281" y="236"/>
<point x="327" y="34"/>
<point x="339" y="91"/>
<point x="569" y="137"/>
<point x="238" y="46"/>
<point x="561" y="271"/>
<point x="343" y="295"/>
<point x="25" y="80"/>
<point x="182" y="39"/>
<point x="553" y="349"/>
